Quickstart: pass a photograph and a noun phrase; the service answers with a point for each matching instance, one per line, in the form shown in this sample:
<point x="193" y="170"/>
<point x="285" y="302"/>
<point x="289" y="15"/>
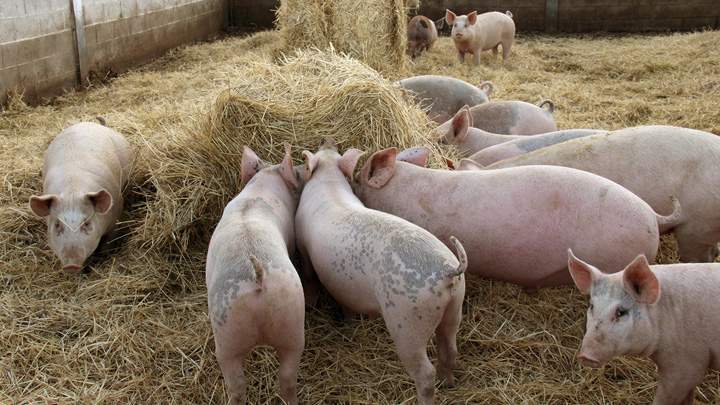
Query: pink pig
<point x="475" y="33"/>
<point x="254" y="292"/>
<point x="669" y="313"/>
<point x="86" y="168"/>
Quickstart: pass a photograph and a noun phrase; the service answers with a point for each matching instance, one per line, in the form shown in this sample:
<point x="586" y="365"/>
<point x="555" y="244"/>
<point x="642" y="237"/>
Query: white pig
<point x="475" y="33"/>
<point x="86" y="167"/>
<point x="669" y="313"/>
<point x="378" y="264"/>
<point x="254" y="292"/>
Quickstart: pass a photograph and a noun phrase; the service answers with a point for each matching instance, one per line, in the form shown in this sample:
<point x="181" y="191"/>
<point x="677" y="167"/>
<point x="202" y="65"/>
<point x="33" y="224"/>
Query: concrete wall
<point x="591" y="15"/>
<point x="38" y="41"/>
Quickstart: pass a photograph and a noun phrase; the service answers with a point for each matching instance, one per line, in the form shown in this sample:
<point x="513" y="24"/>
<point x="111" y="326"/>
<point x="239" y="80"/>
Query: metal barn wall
<point x="38" y="38"/>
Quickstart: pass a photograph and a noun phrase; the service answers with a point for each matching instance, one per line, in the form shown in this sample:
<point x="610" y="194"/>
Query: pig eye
<point x="620" y="312"/>
<point x="86" y="226"/>
<point x="58" y="227"/>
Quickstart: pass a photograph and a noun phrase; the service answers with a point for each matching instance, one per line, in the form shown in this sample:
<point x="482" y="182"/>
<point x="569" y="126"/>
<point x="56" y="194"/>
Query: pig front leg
<point x="677" y="382"/>
<point x="461" y="56"/>
<point x="476" y="57"/>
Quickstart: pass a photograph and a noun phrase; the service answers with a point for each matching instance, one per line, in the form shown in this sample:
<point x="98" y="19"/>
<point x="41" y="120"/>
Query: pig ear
<point x="460" y="124"/>
<point x="380" y="168"/>
<point x="468" y="164"/>
<point x="101" y="200"/>
<point x="250" y="165"/>
<point x="487" y="87"/>
<point x="310" y="163"/>
<point x="640" y="282"/>
<point x="348" y="161"/>
<point x="286" y="169"/>
<point x="582" y="273"/>
<point x="449" y="17"/>
<point x="450" y="164"/>
<point x="40" y="205"/>
<point x="417" y="156"/>
<point x="472" y="18"/>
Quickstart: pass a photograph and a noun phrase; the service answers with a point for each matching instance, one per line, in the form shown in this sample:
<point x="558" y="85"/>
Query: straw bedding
<point x="135" y="328"/>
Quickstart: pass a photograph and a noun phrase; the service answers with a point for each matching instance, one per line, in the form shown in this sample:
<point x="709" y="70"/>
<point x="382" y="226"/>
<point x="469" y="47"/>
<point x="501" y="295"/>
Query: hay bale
<point x="311" y="96"/>
<point x="374" y="31"/>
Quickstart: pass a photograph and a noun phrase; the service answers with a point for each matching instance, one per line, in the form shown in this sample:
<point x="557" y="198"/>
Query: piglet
<point x="254" y="292"/>
<point x="422" y="34"/>
<point x="486" y="147"/>
<point x="378" y="264"/>
<point x="443" y="96"/>
<point x="475" y="33"/>
<point x="669" y="313"/>
<point x="86" y="167"/>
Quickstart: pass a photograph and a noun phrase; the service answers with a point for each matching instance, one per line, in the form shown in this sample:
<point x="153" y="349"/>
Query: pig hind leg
<point x="446" y="336"/>
<point x="696" y="245"/>
<point x="411" y="338"/>
<point x="495" y="50"/>
<point x="506" y="45"/>
<point x="233" y="372"/>
<point x="289" y="364"/>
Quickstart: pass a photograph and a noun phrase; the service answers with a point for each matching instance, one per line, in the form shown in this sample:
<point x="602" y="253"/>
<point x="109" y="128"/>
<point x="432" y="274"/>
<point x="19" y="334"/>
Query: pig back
<point x="494" y="27"/>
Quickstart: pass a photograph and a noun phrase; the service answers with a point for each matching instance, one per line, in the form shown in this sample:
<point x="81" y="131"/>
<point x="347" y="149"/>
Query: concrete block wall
<point x="38" y="41"/>
<point x="37" y="46"/>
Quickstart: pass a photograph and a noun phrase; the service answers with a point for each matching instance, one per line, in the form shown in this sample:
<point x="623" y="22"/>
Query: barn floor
<point x="130" y="332"/>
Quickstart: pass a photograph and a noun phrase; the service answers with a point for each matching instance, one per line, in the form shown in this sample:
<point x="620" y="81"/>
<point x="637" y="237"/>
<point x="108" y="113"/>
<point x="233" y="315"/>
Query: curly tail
<point x="668" y="222"/>
<point x="549" y="103"/>
<point x="259" y="272"/>
<point x="509" y="14"/>
<point x="461" y="256"/>
<point x="101" y="120"/>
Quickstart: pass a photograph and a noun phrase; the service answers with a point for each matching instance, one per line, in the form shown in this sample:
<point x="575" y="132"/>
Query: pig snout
<point x="72" y="258"/>
<point x="587" y="360"/>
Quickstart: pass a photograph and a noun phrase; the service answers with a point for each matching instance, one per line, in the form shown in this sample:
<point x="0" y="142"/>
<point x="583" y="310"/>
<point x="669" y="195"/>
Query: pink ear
<point x="472" y="18"/>
<point x="487" y="87"/>
<point x="461" y="122"/>
<point x="310" y="163"/>
<point x="582" y="273"/>
<point x="640" y="282"/>
<point x="450" y="164"/>
<point x="40" y="205"/>
<point x="101" y="200"/>
<point x="417" y="156"/>
<point x="380" y="168"/>
<point x="250" y="165"/>
<point x="469" y="164"/>
<point x="348" y="161"/>
<point x="449" y="17"/>
<point x="286" y="169"/>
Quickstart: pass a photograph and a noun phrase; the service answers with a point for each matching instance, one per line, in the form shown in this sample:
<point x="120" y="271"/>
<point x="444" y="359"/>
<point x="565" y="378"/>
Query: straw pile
<point x="309" y="97"/>
<point x="130" y="332"/>
<point x="374" y="31"/>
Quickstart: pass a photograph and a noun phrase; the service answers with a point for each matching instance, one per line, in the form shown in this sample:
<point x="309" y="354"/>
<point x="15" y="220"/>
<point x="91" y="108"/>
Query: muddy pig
<point x="254" y="292"/>
<point x="516" y="225"/>
<point x="497" y="117"/>
<point x="86" y="167"/>
<point x="669" y="313"/>
<point x="475" y="33"/>
<point x="443" y="96"/>
<point x="422" y="34"/>
<point x="653" y="162"/>
<point x="378" y="264"/>
<point x="470" y="140"/>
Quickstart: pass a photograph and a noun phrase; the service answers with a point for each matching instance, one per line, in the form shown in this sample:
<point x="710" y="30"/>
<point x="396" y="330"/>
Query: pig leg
<point x="311" y="284"/>
<point x="476" y="57"/>
<point x="232" y="370"/>
<point x="289" y="364"/>
<point x="677" y="383"/>
<point x="693" y="246"/>
<point x="506" y="45"/>
<point x="411" y="339"/>
<point x="495" y="50"/>
<point x="461" y="57"/>
<point x="446" y="335"/>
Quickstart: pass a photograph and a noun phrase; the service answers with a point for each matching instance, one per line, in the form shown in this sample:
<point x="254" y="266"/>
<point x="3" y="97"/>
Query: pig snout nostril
<point x="588" y="360"/>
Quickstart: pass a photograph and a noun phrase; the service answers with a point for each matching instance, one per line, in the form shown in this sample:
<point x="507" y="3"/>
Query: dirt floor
<point x="135" y="329"/>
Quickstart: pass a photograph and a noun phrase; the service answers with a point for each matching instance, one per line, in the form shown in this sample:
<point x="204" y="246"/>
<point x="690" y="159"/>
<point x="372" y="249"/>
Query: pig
<point x="475" y="33"/>
<point x="473" y="141"/>
<point x="669" y="313"/>
<point x="498" y="118"/>
<point x="85" y="169"/>
<point x="653" y="162"/>
<point x="378" y="264"/>
<point x="422" y="34"/>
<point x="255" y="296"/>
<point x="443" y="96"/>
<point x="516" y="225"/>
